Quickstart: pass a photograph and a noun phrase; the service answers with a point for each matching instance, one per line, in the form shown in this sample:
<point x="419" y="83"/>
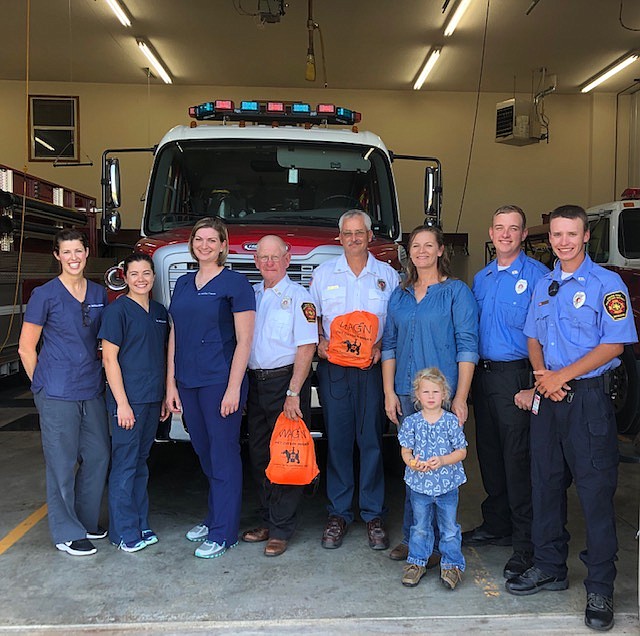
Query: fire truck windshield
<point x="629" y="233"/>
<point x="290" y="183"/>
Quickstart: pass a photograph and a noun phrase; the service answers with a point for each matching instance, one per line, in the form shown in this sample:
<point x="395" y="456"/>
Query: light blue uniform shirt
<point x="439" y="331"/>
<point x="428" y="440"/>
<point x="503" y="301"/>
<point x="591" y="307"/>
<point x="285" y="320"/>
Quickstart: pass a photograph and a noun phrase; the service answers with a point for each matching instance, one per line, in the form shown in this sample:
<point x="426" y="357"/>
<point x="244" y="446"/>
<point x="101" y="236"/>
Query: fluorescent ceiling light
<point x="460" y="9"/>
<point x="42" y="142"/>
<point x="610" y="72"/>
<point x="426" y="69"/>
<point x="117" y="8"/>
<point x="154" y="61"/>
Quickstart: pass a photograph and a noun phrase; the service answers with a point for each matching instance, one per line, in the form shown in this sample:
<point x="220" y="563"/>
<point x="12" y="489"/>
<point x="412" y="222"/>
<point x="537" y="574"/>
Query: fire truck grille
<point x="297" y="272"/>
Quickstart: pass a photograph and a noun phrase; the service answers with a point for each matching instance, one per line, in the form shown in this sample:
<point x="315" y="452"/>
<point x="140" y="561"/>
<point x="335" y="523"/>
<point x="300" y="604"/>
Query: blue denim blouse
<point x="439" y="331"/>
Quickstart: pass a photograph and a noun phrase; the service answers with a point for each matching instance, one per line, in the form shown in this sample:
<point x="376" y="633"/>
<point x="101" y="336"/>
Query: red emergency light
<point x="329" y="109"/>
<point x="275" y="107"/>
<point x="631" y="193"/>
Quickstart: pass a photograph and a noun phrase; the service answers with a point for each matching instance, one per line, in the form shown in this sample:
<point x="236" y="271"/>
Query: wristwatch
<point x="291" y="393"/>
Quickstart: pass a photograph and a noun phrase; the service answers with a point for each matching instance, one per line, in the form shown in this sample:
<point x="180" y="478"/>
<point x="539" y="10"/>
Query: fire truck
<point x="614" y="243"/>
<point x="32" y="210"/>
<point x="265" y="167"/>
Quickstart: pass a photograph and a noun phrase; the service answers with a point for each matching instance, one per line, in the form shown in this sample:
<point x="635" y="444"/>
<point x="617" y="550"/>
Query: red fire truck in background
<point x="281" y="168"/>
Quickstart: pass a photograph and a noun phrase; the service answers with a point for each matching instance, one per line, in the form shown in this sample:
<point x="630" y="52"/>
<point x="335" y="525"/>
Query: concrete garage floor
<point x="354" y="590"/>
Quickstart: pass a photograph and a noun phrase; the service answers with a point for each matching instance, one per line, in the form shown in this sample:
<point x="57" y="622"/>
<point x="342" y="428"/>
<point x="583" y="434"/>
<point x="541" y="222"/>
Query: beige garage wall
<point x="577" y="166"/>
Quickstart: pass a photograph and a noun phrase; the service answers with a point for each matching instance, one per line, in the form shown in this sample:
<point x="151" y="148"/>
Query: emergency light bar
<point x="268" y="112"/>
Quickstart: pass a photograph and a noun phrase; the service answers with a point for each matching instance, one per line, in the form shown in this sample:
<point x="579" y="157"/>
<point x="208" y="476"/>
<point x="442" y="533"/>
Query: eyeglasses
<point x="357" y="234"/>
<point x="86" y="316"/>
<point x="273" y="259"/>
<point x="553" y="288"/>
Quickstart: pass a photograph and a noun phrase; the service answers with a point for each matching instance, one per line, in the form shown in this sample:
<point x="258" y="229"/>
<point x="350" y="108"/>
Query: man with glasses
<point x="578" y="322"/>
<point x="351" y="293"/>
<point x="283" y="346"/>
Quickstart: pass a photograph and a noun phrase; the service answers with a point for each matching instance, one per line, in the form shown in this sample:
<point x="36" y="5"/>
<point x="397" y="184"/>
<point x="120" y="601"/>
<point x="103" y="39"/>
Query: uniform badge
<point x="616" y="305"/>
<point x="578" y="299"/>
<point x="309" y="311"/>
<point x="382" y="284"/>
<point x="521" y="286"/>
<point x="286" y="301"/>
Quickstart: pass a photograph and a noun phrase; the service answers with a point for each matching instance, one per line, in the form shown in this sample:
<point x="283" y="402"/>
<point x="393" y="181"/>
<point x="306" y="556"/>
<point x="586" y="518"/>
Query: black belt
<point x="490" y="365"/>
<point x="266" y="374"/>
<point x="599" y="382"/>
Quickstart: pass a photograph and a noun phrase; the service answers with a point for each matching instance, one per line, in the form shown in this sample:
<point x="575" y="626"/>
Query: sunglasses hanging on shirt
<point x="553" y="288"/>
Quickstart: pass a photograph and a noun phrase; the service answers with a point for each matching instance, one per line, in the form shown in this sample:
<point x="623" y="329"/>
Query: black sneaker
<point x="599" y="612"/>
<point x="100" y="533"/>
<point x="518" y="564"/>
<point x="80" y="547"/>
<point x="481" y="536"/>
<point x="533" y="581"/>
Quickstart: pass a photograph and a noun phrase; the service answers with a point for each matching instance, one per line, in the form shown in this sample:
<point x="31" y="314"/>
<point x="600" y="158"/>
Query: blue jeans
<point x="408" y="408"/>
<point x="421" y="541"/>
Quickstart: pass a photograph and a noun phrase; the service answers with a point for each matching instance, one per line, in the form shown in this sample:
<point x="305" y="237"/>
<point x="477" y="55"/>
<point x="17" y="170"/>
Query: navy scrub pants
<point x="216" y="440"/>
<point x="576" y="441"/>
<point x="74" y="434"/>
<point x="353" y="409"/>
<point x="128" y="497"/>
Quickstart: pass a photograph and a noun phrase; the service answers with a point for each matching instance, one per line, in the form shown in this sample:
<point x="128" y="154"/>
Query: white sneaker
<point x="132" y="546"/>
<point x="198" y="533"/>
<point x="210" y="550"/>
<point x="80" y="547"/>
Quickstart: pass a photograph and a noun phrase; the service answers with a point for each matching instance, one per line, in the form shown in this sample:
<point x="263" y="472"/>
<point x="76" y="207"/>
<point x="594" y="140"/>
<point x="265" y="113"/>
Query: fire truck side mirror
<point x="112" y="221"/>
<point x="432" y="195"/>
<point x="113" y="183"/>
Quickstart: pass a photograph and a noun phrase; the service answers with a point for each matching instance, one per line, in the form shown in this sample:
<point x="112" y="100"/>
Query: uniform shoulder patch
<point x="309" y="311"/>
<point x="616" y="305"/>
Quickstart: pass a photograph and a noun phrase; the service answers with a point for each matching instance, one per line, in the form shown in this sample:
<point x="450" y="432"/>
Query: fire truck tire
<point x="627" y="400"/>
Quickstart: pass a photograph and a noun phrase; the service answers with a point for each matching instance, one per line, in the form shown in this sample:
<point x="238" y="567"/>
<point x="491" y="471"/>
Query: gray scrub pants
<point x="74" y="433"/>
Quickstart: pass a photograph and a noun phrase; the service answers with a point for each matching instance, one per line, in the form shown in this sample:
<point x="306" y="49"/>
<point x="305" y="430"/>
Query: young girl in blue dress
<point x="134" y="336"/>
<point x="433" y="447"/>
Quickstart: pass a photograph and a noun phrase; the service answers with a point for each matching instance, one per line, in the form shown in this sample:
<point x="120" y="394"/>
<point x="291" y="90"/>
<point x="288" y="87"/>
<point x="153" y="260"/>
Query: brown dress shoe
<point x="334" y="532"/>
<point x="275" y="547"/>
<point x="378" y="537"/>
<point x="256" y="535"/>
<point x="400" y="552"/>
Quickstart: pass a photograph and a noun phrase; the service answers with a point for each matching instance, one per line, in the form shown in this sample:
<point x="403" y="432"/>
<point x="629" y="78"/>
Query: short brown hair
<point x="506" y="209"/>
<point x="218" y="225"/>
<point x="69" y="234"/>
<point x="570" y="212"/>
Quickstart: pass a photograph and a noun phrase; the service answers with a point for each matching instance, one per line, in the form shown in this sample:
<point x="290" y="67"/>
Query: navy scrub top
<point x="203" y="324"/>
<point x="142" y="338"/>
<point x="68" y="366"/>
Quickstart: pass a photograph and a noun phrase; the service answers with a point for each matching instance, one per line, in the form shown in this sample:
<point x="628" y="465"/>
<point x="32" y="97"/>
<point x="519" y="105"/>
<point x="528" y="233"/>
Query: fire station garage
<point x="131" y="120"/>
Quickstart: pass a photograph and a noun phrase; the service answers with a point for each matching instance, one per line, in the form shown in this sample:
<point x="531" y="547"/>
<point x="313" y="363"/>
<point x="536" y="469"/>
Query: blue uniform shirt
<point x="142" y="338"/>
<point x="68" y="366"/>
<point x="204" y="328"/>
<point x="428" y="440"/>
<point x="591" y="307"/>
<point x="439" y="331"/>
<point x="503" y="301"/>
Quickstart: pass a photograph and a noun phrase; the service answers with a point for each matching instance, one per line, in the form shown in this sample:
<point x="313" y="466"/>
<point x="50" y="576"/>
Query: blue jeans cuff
<point x="416" y="561"/>
<point x="450" y="566"/>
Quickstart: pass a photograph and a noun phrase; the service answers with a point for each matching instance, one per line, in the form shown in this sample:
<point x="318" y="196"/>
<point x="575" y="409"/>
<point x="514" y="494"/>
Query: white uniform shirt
<point x="285" y="319"/>
<point x="336" y="290"/>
